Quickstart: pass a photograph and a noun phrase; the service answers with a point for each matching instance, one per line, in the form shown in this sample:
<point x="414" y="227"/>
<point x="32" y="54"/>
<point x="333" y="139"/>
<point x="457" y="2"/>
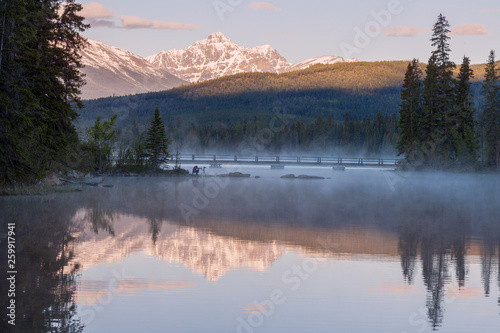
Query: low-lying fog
<point x="377" y="198"/>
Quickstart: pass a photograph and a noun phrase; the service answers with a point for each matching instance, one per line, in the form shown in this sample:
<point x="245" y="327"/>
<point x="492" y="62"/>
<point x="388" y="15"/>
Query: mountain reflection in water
<point x="435" y="225"/>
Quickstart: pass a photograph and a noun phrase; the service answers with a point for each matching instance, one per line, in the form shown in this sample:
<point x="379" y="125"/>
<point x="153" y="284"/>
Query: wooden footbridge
<point x="281" y="161"/>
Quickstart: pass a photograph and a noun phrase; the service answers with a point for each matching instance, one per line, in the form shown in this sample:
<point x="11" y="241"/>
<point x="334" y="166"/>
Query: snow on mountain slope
<point x="218" y="56"/>
<point x="327" y="60"/>
<point x="112" y="71"/>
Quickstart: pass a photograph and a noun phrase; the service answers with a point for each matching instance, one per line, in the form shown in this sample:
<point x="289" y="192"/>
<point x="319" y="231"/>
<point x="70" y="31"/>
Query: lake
<point x="359" y="251"/>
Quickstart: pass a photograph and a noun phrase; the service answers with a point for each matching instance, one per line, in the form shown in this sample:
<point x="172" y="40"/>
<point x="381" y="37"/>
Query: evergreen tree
<point x="411" y="113"/>
<point x="465" y="147"/>
<point x="491" y="114"/>
<point x="157" y="142"/>
<point x="430" y="129"/>
<point x="39" y="81"/>
<point x="439" y="98"/>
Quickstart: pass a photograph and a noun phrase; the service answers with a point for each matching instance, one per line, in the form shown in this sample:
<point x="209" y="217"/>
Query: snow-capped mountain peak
<point x="111" y="71"/>
<point x="327" y="60"/>
<point x="218" y="56"/>
<point x="218" y="37"/>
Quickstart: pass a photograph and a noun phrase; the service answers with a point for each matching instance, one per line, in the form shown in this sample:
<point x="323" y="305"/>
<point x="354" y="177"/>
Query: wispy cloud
<point x="99" y="16"/>
<point x="262" y="5"/>
<point x="134" y="22"/>
<point x="102" y="24"/>
<point x="94" y="10"/>
<point x="469" y="29"/>
<point x="403" y="31"/>
<point x="489" y="10"/>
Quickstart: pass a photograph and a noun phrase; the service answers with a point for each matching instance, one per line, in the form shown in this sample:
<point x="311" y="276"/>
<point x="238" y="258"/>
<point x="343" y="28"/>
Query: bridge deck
<point x="289" y="160"/>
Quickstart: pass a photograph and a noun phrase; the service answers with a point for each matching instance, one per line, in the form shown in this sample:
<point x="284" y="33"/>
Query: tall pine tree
<point x="491" y="114"/>
<point x="39" y="82"/>
<point x="438" y="97"/>
<point x="411" y="114"/>
<point x="431" y="131"/>
<point x="465" y="147"/>
<point x="157" y="143"/>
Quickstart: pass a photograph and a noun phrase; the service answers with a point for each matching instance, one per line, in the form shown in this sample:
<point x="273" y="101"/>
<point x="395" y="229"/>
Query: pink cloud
<point x="490" y="10"/>
<point x="134" y="22"/>
<point x="94" y="10"/>
<point x="262" y="5"/>
<point x="403" y="31"/>
<point x="469" y="29"/>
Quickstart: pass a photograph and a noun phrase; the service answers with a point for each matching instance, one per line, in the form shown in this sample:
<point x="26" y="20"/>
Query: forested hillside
<point x="362" y="89"/>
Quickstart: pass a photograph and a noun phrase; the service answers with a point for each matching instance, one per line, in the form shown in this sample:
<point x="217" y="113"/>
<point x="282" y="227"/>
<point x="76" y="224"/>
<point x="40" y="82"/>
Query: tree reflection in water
<point x="46" y="281"/>
<point x="443" y="242"/>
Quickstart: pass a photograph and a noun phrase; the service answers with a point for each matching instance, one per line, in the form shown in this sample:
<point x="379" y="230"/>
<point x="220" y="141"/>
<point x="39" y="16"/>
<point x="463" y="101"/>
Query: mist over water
<point x="361" y="250"/>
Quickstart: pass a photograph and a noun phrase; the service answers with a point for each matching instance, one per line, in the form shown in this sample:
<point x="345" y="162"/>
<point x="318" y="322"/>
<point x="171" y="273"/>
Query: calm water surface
<point x="359" y="251"/>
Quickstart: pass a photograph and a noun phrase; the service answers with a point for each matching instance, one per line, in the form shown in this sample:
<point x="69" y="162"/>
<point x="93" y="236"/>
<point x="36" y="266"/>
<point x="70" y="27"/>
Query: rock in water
<point x="291" y="176"/>
<point x="238" y="174"/>
<point x="309" y="177"/>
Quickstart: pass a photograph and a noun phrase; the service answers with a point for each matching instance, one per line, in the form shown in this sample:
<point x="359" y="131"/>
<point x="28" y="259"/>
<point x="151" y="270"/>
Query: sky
<point x="368" y="30"/>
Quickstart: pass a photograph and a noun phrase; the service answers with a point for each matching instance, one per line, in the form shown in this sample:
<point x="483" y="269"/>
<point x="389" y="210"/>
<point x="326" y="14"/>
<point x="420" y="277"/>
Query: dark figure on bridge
<point x="196" y="170"/>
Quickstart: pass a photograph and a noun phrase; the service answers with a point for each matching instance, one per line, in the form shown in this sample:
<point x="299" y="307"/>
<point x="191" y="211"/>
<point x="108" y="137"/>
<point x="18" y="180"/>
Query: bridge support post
<point x="235" y="158"/>
<point x="192" y="157"/>
<point x="215" y="158"/>
<point x="256" y="158"/>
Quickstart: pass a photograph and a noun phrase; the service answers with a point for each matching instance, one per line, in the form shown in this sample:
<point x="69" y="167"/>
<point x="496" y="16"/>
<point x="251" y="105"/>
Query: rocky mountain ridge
<point x="111" y="71"/>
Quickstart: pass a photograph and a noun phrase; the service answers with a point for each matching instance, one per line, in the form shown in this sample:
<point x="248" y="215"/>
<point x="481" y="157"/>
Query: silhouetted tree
<point x="465" y="147"/>
<point x="411" y="113"/>
<point x="491" y="114"/>
<point x="40" y="79"/>
<point x="157" y="143"/>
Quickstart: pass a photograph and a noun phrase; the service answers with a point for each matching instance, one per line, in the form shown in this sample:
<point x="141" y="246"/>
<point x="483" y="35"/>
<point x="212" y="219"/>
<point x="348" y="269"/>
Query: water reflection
<point x="436" y="229"/>
<point x="100" y="218"/>
<point x="46" y="282"/>
<point x="444" y="239"/>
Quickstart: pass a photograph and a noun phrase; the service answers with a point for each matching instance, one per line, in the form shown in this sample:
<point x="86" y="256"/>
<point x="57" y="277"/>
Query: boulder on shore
<point x="52" y="180"/>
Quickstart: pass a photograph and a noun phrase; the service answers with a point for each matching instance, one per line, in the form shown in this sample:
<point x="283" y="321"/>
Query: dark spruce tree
<point x="430" y="129"/>
<point x="465" y="146"/>
<point x="39" y="82"/>
<point x="157" y="143"/>
<point x="439" y="96"/>
<point x="411" y="115"/>
<point x="491" y="114"/>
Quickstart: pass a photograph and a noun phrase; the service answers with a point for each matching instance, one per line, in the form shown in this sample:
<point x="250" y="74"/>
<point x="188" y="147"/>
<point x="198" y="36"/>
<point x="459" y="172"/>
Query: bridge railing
<point x="306" y="160"/>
